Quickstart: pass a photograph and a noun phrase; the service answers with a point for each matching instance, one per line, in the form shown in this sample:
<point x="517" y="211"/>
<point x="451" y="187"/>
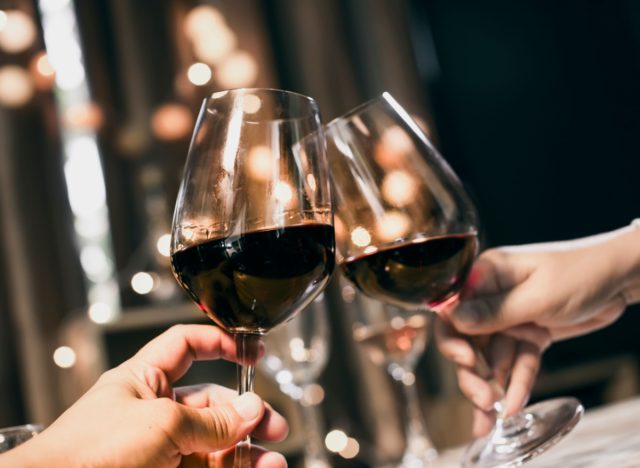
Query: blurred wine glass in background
<point x="394" y="339"/>
<point x="296" y="355"/>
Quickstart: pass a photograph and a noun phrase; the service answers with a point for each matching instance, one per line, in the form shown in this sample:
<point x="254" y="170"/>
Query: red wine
<point x="253" y="281"/>
<point x="400" y="340"/>
<point x="424" y="272"/>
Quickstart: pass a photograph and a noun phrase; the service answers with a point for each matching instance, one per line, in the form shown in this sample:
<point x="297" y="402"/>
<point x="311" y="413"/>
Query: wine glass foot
<point x="423" y="460"/>
<point x="525" y="435"/>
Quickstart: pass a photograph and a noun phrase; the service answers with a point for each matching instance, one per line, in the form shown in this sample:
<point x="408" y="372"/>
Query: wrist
<point x="35" y="453"/>
<point x="631" y="291"/>
<point x="626" y="258"/>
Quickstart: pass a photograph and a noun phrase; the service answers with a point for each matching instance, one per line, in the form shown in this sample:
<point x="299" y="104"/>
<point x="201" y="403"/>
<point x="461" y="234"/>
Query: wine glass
<point x="11" y="437"/>
<point x="252" y="236"/>
<point x="407" y="235"/>
<point x="295" y="357"/>
<point x="395" y="338"/>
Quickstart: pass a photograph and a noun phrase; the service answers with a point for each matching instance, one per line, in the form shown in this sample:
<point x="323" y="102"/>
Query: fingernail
<point x="248" y="406"/>
<point x="466" y="314"/>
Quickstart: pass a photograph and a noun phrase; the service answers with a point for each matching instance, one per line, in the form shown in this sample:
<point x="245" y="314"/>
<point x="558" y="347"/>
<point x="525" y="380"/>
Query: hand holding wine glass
<point x="407" y="235"/>
<point x="593" y="279"/>
<point x="252" y="238"/>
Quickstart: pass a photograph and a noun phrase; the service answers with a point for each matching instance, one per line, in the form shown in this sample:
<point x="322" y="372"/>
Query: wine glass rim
<point x="224" y="92"/>
<point x="307" y="107"/>
<point x="384" y="96"/>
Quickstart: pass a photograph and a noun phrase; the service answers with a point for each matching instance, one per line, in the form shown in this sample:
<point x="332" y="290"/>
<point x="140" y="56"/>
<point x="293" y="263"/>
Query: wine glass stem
<point x="419" y="444"/>
<point x="484" y="370"/>
<point x="246" y="352"/>
<point x="314" y="453"/>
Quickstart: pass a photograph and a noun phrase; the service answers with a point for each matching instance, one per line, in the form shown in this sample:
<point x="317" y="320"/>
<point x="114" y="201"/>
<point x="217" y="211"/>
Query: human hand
<point x="505" y="371"/>
<point x="132" y="417"/>
<point x="523" y="298"/>
<point x="570" y="288"/>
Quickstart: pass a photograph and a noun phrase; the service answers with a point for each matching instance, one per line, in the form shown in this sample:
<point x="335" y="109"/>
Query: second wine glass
<point x="252" y="236"/>
<point x="407" y="236"/>
<point x="295" y="357"/>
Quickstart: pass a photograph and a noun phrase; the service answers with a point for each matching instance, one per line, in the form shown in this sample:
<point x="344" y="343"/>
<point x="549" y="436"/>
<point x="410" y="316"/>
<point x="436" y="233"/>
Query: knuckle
<point x="173" y="417"/>
<point x="222" y="424"/>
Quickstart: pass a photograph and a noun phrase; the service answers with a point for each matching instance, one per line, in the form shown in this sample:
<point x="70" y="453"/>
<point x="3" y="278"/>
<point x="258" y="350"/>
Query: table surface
<point x="608" y="437"/>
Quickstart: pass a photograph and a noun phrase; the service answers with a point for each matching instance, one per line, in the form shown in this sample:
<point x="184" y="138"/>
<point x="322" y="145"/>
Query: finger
<point x="273" y="427"/>
<point x="260" y="458"/>
<point x="501" y="353"/>
<point x="494" y="272"/>
<point x="537" y="335"/>
<point x="490" y="314"/>
<point x="453" y="345"/>
<point x="523" y="376"/>
<point x="174" y="350"/>
<point x="215" y="427"/>
<point x="483" y="422"/>
<point x="606" y="317"/>
<point x="478" y="390"/>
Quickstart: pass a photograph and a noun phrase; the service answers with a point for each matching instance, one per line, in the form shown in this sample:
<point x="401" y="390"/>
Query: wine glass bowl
<point x="254" y="203"/>
<point x="252" y="236"/>
<point x="406" y="233"/>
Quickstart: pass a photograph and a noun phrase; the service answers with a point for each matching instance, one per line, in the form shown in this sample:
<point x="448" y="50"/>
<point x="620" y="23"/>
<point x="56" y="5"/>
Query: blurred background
<point x="536" y="105"/>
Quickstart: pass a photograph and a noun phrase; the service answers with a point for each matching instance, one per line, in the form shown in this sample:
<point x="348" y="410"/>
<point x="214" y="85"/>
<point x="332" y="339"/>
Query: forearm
<point x="36" y="453"/>
<point x="626" y="249"/>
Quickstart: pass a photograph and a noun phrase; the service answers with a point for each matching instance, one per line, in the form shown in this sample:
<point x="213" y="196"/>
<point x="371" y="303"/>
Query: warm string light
<point x="64" y="357"/>
<point x="171" y="122"/>
<point x="16" y="87"/>
<point x="337" y="441"/>
<point x="142" y="282"/>
<point x="163" y="244"/>
<point x="199" y="74"/>
<point x="399" y="188"/>
<point x="214" y="44"/>
<point x="17" y="31"/>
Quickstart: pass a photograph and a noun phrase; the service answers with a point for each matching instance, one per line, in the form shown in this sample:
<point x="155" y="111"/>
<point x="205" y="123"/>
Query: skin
<point x="132" y="417"/>
<point x="521" y="299"/>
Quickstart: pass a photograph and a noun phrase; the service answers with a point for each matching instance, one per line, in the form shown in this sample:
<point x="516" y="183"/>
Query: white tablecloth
<point x="606" y="437"/>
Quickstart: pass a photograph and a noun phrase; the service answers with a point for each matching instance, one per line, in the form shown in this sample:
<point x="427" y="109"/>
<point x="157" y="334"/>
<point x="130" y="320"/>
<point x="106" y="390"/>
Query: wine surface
<point x="422" y="272"/>
<point x="256" y="280"/>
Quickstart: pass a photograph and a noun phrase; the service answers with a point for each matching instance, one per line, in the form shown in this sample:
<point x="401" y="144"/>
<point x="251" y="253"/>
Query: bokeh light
<point x="163" y="244"/>
<point x="393" y="225"/>
<point x="360" y="236"/>
<point x="19" y="32"/>
<point x="142" y="282"/>
<point x="260" y="163"/>
<point x="16" y="87"/>
<point x="171" y="122"/>
<point x="399" y="188"/>
<point x="238" y="70"/>
<point x="199" y="74"/>
<point x="101" y="312"/>
<point x="64" y="357"/>
<point x="336" y="440"/>
<point x="351" y="449"/>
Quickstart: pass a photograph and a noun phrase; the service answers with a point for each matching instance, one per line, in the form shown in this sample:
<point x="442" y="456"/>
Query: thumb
<point x="493" y="313"/>
<point x="220" y="426"/>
